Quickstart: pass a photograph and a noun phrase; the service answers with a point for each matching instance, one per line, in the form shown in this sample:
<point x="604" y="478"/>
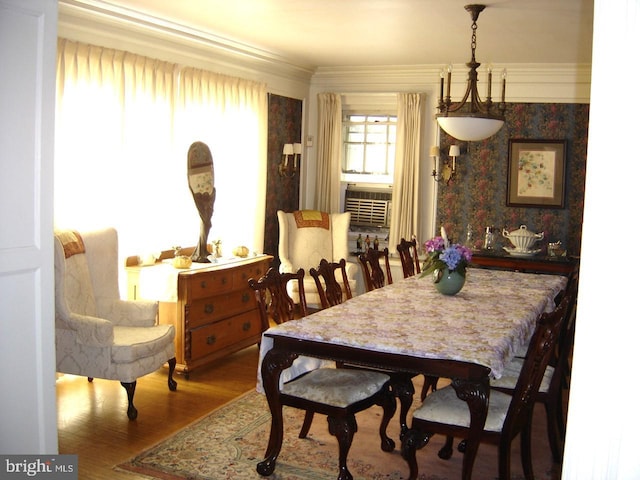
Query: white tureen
<point x="522" y="239"/>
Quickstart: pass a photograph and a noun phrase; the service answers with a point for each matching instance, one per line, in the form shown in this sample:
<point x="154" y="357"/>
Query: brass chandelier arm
<point x="471" y="105"/>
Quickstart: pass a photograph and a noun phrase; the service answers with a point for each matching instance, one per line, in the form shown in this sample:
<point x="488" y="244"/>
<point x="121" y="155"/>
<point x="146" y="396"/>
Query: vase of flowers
<point x="447" y="263"/>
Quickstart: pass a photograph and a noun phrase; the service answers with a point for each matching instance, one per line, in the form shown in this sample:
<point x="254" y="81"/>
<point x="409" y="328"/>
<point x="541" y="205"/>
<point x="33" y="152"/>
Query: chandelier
<point x="471" y="119"/>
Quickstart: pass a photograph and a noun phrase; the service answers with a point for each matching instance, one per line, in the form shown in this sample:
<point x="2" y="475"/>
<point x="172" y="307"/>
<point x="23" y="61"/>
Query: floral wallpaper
<point x="478" y="195"/>
<point x="283" y="193"/>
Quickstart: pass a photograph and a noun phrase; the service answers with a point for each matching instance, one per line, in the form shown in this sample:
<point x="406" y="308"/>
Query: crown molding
<point x="99" y="22"/>
<point x="543" y="82"/>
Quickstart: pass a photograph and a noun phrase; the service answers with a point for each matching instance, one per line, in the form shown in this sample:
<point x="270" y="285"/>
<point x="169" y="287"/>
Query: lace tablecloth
<point x="486" y="323"/>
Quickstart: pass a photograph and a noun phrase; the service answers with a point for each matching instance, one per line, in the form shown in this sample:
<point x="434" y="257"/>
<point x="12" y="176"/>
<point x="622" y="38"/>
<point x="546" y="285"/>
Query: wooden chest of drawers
<point x="215" y="312"/>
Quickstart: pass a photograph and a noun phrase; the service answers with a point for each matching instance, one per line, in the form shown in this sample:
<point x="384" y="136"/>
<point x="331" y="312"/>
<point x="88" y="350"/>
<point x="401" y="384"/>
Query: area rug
<point x="230" y="441"/>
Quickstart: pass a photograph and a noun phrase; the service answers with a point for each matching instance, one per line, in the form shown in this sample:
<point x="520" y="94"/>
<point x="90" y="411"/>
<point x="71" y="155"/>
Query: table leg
<point x="272" y="365"/>
<point x="476" y="394"/>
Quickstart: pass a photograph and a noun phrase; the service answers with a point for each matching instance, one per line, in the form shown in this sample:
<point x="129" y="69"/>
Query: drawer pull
<point x="246" y="326"/>
<point x="208" y="308"/>
<point x="211" y="339"/>
<point x="203" y="284"/>
<point x="223" y="280"/>
<point x="245" y="297"/>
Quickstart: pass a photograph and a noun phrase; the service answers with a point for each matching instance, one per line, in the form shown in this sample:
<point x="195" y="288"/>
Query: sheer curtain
<point x="404" y="208"/>
<point x="230" y="115"/>
<point x="124" y="124"/>
<point x="327" y="195"/>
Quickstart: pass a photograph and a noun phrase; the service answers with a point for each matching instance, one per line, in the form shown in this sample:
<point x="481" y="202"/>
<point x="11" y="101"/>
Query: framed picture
<point x="536" y="175"/>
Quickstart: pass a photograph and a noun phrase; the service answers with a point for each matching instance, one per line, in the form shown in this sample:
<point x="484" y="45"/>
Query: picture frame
<point x="536" y="173"/>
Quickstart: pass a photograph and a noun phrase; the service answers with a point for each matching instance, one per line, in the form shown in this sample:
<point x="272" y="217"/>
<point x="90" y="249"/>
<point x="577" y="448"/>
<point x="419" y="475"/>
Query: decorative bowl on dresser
<point x="210" y="305"/>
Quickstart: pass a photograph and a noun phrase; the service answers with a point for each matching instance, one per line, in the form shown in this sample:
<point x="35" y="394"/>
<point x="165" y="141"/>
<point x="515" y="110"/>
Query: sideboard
<point x="210" y="305"/>
<point x="534" y="264"/>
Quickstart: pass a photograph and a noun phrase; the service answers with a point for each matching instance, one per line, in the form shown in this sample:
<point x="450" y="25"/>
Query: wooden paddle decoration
<point x="201" y="184"/>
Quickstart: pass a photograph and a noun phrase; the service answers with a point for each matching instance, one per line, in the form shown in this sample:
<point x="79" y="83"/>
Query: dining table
<point x="408" y="326"/>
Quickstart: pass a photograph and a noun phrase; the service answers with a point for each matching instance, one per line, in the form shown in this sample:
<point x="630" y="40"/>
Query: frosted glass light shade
<point x="287" y="149"/>
<point x="470" y="129"/>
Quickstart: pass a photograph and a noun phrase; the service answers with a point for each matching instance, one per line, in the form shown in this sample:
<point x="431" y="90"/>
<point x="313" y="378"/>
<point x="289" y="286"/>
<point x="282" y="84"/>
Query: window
<point x="369" y="144"/>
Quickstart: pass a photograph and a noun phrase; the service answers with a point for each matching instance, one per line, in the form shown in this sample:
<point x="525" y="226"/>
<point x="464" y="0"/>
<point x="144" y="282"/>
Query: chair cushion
<point x="444" y="406"/>
<point x="511" y="373"/>
<point x="133" y="343"/>
<point x="337" y="387"/>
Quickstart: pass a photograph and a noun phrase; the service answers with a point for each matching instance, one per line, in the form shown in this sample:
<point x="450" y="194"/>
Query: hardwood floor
<point x="92" y="419"/>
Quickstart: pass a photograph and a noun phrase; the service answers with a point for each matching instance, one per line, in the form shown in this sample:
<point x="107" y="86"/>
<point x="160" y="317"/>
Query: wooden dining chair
<point x="331" y="292"/>
<point x="508" y="415"/>
<point x="337" y="393"/>
<point x="374" y="275"/>
<point x="274" y="300"/>
<point x="550" y="392"/>
<point x="408" y="251"/>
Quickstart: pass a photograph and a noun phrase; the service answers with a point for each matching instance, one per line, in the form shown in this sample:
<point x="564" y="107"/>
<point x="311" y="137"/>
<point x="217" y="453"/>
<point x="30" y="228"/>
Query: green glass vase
<point x="448" y="282"/>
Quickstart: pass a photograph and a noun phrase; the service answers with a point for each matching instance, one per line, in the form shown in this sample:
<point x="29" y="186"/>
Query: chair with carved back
<point x="271" y="293"/>
<point x="331" y="294"/>
<point x="508" y="415"/>
<point x="374" y="275"/>
<point x="408" y="251"/>
<point x="337" y="393"/>
<point x="550" y="392"/>
<point x="331" y="282"/>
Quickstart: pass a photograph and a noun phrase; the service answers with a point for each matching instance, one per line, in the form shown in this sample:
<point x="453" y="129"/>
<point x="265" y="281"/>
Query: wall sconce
<point x="289" y="167"/>
<point x="448" y="171"/>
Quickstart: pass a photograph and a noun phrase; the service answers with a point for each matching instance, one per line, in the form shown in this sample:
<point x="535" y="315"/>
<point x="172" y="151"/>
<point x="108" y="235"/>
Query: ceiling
<point x="325" y="33"/>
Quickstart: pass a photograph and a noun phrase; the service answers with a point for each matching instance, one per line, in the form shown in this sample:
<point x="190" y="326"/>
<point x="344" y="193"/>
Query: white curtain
<point x="230" y="115"/>
<point x="328" y="168"/>
<point x="406" y="176"/>
<point x="121" y="149"/>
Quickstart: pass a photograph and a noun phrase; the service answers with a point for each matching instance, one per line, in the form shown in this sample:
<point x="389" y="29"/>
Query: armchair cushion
<point x="132" y="343"/>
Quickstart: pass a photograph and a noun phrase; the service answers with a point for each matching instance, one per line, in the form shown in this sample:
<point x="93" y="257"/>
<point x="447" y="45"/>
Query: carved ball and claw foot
<point x="413" y="440"/>
<point x="266" y="467"/>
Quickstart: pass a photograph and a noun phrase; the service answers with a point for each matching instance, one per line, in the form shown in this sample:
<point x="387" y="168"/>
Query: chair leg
<point x="132" y="413"/>
<point x="429" y="382"/>
<point x="173" y="385"/>
<point x="504" y="459"/>
<point x="447" y="449"/>
<point x="343" y="429"/>
<point x="402" y="387"/>
<point x="306" y="424"/>
<point x="552" y="429"/>
<point x="525" y="451"/>
<point x="388" y="403"/>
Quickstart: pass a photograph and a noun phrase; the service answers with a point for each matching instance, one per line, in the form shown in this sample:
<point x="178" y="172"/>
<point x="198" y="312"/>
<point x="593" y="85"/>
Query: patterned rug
<point x="230" y="441"/>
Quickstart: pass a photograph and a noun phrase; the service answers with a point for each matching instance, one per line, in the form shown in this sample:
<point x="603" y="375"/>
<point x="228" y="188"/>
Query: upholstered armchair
<point x="308" y="236"/>
<point x="98" y="335"/>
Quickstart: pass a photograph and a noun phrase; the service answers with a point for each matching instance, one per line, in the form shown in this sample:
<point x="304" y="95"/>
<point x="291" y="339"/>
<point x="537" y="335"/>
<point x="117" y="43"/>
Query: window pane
<point x="376" y="158"/>
<point x="354" y="158"/>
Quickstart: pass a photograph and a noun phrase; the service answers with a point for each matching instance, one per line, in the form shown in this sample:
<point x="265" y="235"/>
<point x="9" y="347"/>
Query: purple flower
<point x="433" y="245"/>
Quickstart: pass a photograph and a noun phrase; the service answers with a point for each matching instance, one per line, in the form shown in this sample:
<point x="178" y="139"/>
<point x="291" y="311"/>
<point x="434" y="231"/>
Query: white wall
<point x="603" y="425"/>
<point x="28" y="418"/>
